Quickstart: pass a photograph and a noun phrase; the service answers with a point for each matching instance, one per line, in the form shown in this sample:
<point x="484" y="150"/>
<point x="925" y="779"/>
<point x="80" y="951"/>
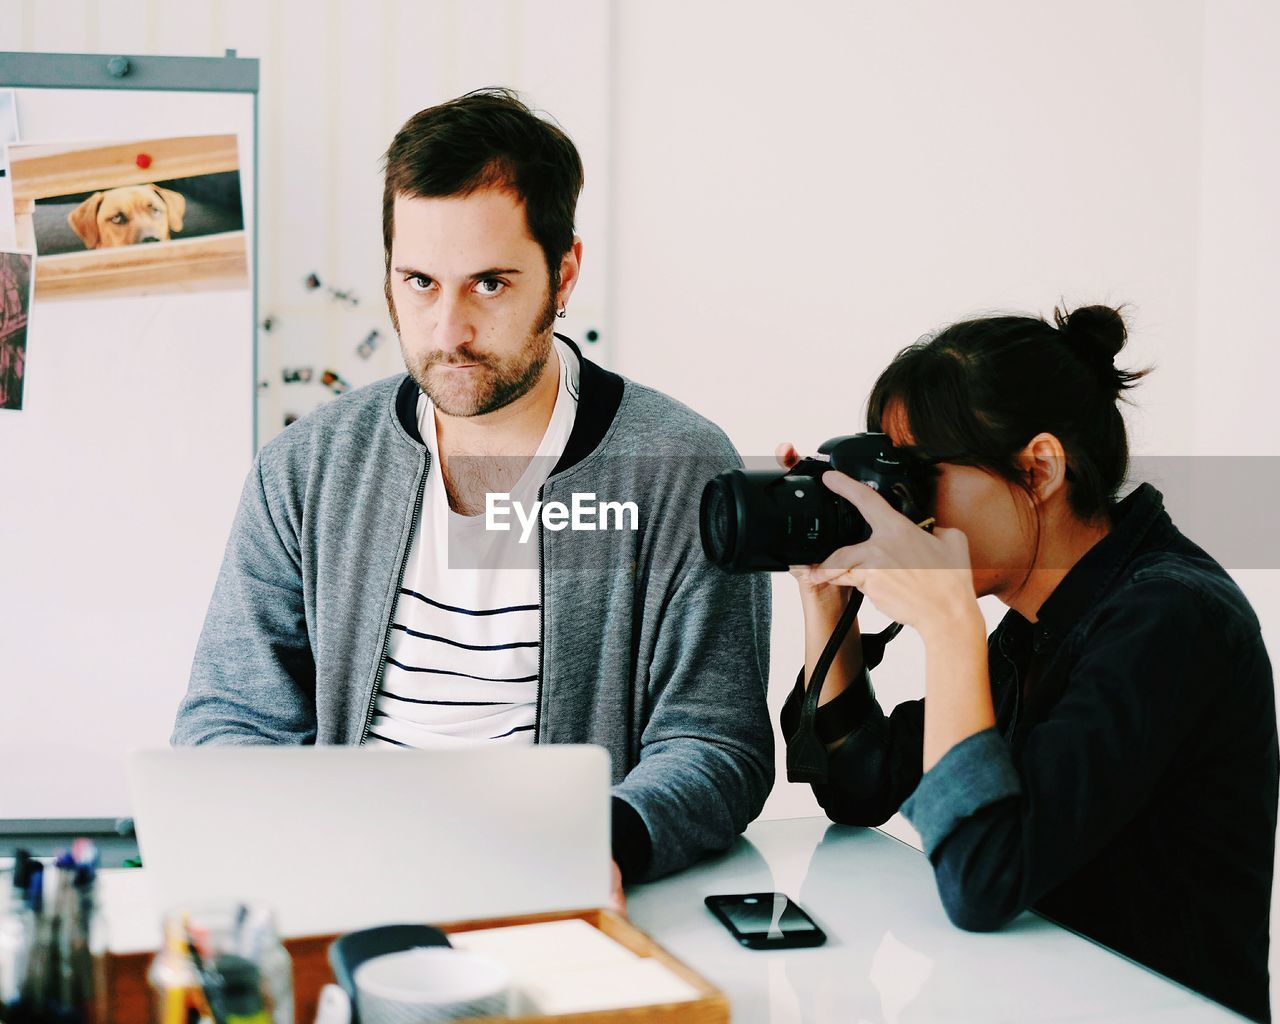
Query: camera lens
<point x="767" y="521"/>
<point x="717" y="521"/>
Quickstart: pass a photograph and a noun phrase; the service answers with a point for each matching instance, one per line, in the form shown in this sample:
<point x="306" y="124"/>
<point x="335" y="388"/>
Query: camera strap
<point x="807" y="758"/>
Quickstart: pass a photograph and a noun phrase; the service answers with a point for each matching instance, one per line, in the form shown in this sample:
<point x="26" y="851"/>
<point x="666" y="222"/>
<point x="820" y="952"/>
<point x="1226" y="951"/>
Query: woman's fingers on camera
<point x="810" y="577"/>
<point x="804" y="573"/>
<point x="786" y="455"/>
<point x="878" y="513"/>
<point x="841" y="562"/>
<point x="855" y="577"/>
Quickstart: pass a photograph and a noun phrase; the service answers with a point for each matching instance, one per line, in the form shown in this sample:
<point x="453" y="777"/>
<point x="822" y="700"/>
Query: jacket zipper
<point x="386" y="639"/>
<point x="542" y="627"/>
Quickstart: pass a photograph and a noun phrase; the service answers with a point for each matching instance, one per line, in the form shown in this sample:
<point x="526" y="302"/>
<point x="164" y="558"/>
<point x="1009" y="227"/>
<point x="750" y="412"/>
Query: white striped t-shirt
<point x="462" y="663"/>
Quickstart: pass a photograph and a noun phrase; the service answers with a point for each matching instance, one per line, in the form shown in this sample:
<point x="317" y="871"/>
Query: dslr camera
<point x="765" y="521"/>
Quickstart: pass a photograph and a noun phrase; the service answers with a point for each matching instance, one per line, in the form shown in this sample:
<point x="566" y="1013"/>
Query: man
<point x="359" y="602"/>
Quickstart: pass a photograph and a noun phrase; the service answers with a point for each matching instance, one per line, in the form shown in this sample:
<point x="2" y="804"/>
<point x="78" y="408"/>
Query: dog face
<point x="124" y="216"/>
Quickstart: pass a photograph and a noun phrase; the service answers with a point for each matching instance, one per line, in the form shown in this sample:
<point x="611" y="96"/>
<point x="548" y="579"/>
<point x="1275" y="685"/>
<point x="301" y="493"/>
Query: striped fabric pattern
<point x="456" y="674"/>
<point x="463" y="658"/>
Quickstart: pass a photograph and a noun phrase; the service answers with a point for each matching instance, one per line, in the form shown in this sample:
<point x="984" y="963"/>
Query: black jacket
<point x="1129" y="788"/>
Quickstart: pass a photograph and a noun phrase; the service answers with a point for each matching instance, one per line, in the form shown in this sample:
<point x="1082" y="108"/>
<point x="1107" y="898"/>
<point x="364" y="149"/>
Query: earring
<point x="560" y="312"/>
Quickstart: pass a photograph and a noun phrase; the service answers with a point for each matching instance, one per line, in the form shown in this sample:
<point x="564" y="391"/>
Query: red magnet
<point x="143" y="161"/>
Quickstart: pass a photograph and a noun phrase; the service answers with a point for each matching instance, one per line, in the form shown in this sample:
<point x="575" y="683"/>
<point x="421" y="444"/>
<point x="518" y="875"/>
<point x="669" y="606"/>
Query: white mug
<point x="430" y="984"/>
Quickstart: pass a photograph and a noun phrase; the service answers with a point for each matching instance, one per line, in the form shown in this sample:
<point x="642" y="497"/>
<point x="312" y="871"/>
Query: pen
<point x="176" y="994"/>
<point x="205" y="979"/>
<point x="35" y="888"/>
<point x="22" y="862"/>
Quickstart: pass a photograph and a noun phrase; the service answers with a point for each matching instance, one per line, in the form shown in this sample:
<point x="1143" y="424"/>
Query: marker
<point x="22" y="862"/>
<point x="35" y="888"/>
<point x="204" y="979"/>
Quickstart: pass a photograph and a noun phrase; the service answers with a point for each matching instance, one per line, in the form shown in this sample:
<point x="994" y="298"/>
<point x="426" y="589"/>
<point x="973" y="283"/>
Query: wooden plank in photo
<point x="211" y="262"/>
<point x="41" y="172"/>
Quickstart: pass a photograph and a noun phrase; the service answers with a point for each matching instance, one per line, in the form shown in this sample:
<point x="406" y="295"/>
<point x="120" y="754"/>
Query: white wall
<point x="800" y="196"/>
<point x="1237" y="343"/>
<point x="1237" y="338"/>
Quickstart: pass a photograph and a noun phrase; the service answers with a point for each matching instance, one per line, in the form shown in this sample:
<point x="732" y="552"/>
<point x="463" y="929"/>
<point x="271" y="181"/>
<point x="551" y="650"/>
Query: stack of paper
<point x="572" y="967"/>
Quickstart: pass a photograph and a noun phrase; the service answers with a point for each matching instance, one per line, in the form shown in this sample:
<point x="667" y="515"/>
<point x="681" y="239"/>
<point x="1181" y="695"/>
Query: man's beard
<point x="495" y="382"/>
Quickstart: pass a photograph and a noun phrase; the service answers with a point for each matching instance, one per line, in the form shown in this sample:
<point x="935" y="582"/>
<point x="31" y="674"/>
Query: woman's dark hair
<point x="977" y="392"/>
<point x="487" y="139"/>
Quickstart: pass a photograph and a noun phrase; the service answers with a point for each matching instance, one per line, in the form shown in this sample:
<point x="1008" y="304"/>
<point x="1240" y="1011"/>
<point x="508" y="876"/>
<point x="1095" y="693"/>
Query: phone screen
<point x="771" y="914"/>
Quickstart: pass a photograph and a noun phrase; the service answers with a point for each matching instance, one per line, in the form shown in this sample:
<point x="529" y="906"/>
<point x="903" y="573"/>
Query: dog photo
<point x="125" y="216"/>
<point x="131" y="218"/>
<point x="15" y="307"/>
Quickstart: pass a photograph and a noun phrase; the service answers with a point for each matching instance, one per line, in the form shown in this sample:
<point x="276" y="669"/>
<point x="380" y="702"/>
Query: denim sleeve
<point x="974" y="773"/>
<point x="1137" y="685"/>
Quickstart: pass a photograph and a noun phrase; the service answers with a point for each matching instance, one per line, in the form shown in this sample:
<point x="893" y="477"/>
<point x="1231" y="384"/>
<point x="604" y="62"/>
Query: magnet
<point x="333" y="382"/>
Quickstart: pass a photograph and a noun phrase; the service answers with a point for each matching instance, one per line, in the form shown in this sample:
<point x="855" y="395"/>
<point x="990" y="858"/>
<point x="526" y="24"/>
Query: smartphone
<point x="766" y="920"/>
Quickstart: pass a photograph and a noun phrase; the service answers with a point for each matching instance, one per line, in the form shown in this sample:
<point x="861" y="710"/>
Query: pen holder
<point x="52" y="942"/>
<point x="221" y="963"/>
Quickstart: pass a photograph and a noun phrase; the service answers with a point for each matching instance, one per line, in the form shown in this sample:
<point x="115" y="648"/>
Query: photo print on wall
<point x="15" y="309"/>
<point x="131" y="218"/>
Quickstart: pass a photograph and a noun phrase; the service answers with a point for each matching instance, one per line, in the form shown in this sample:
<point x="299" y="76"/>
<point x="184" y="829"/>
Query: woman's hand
<point x="920" y="579"/>
<point x="822" y="604"/>
<point x="810" y="586"/>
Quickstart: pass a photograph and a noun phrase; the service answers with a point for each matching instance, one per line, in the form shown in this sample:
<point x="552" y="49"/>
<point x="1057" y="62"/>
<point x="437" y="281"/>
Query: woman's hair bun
<point x="1096" y="334"/>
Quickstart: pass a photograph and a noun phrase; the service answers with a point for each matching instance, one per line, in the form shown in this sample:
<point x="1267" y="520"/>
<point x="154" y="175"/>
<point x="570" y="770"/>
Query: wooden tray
<point x="130" y="999"/>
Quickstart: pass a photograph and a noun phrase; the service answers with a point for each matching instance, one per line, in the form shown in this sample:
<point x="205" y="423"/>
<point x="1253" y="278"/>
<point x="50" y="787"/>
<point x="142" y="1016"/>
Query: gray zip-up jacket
<point x="647" y="648"/>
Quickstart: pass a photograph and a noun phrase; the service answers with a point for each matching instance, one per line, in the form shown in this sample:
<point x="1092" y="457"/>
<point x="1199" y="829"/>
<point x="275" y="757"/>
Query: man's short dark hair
<point x="487" y="139"/>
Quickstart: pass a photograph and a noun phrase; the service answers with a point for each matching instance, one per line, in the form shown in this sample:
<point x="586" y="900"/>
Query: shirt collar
<point x="599" y="398"/>
<point x="1138" y="521"/>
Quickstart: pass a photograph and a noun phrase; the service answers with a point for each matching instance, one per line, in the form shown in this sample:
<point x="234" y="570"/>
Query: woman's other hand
<point x="810" y="586"/>
<point x="920" y="579"/>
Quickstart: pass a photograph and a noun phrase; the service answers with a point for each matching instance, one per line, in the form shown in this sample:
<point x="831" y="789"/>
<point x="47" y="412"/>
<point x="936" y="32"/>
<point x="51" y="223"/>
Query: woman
<point x="1108" y="756"/>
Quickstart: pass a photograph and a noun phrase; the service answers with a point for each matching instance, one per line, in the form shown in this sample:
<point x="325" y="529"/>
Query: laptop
<point x="337" y="838"/>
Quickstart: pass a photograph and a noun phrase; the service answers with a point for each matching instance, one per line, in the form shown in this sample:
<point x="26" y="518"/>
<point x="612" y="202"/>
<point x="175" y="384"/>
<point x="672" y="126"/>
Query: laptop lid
<point x="336" y="838"/>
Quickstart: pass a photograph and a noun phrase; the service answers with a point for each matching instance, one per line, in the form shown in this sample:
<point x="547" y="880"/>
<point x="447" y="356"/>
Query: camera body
<point x="762" y="521"/>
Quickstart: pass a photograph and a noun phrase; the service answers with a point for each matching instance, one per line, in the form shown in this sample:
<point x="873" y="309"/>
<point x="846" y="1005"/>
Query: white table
<point x="891" y="954"/>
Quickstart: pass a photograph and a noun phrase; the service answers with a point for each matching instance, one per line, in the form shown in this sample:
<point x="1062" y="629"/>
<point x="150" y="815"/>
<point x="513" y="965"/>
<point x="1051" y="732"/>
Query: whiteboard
<point x="118" y="482"/>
